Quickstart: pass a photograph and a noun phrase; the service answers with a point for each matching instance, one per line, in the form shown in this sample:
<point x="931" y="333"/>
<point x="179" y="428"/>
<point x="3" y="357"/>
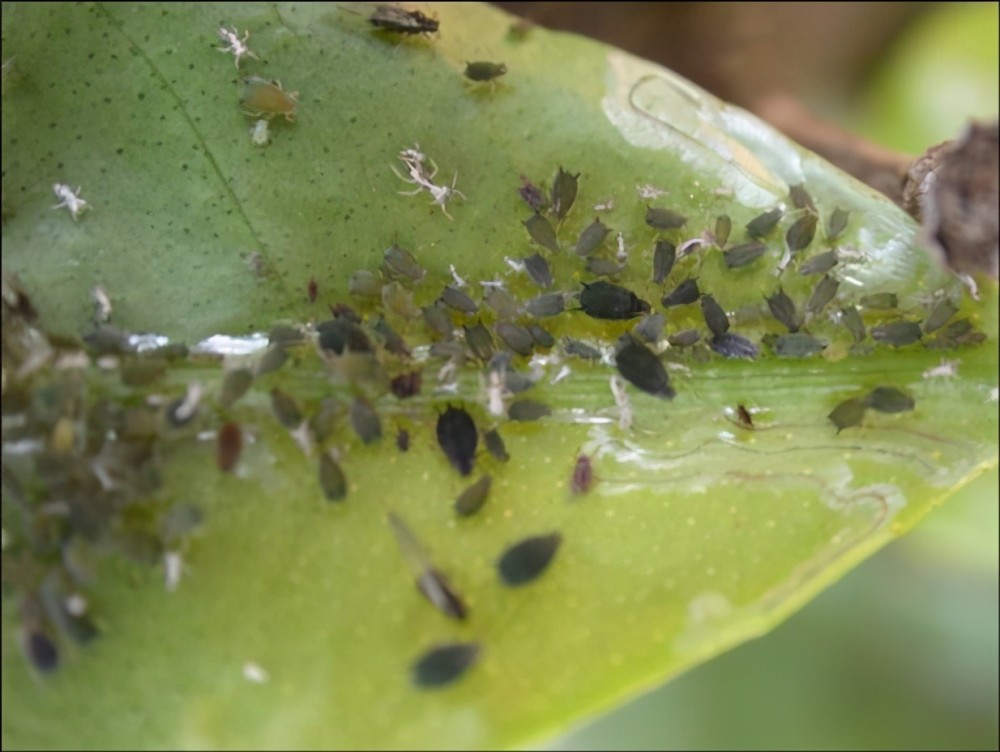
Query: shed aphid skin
<point x="402" y="21"/>
<point x="235" y="44"/>
<point x="582" y="477"/>
<point x="623" y="402"/>
<point x="495" y="446"/>
<point x="430" y="582"/>
<point x="525" y="561"/>
<point x="564" y="189"/>
<point x="848" y="414"/>
<point x="444" y="665"/>
<point x="541" y="232"/>
<point x="70" y="199"/>
<point x="603" y="300"/>
<point x="481" y="71"/>
<point x="743" y="254"/>
<point x="471" y="500"/>
<point x="591" y="238"/>
<point x="265" y="99"/>
<point x="331" y="478"/>
<point x="664" y="219"/>
<point x="457" y="437"/>
<point x="889" y="399"/>
<point x="228" y="446"/>
<point x="761" y="225"/>
<point x="641" y="368"/>
<point x="414" y="159"/>
<point x="686" y="292"/>
<point x="783" y="309"/>
<point x="102" y="304"/>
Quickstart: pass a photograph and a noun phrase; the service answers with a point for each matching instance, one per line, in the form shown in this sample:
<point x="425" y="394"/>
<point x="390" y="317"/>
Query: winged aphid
<point x="640" y="367"/>
<point x="538" y="269"/>
<point x="458" y="300"/>
<point x="228" y="446"/>
<point x="664" y="256"/>
<point x="516" y="337"/>
<point x="782" y="308"/>
<point x="686" y="292"/>
<point x="364" y="420"/>
<point x="473" y="497"/>
<point x="591" y="238"/>
<point x="564" y="189"/>
<point x="889" y="399"/>
<point x="897" y="333"/>
<point x="526" y="560"/>
<point x="848" y="413"/>
<point x="801" y="233"/>
<point x="715" y="316"/>
<point x="527" y="410"/>
<point x="604" y="300"/>
<point x="541" y="232"/>
<point x="762" y="224"/>
<point x="819" y="264"/>
<point x="664" y="219"/>
<point x="331" y="478"/>
<point x="822" y="293"/>
<point x="445" y="664"/>
<point x="457" y="437"/>
<point x="743" y="255"/>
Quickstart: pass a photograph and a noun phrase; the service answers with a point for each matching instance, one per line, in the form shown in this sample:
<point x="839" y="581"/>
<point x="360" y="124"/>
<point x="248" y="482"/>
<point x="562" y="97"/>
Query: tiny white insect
<point x="253" y="672"/>
<point x="945" y="369"/>
<point x="173" y="566"/>
<point x="414" y="160"/>
<point x="648" y="192"/>
<point x="236" y="45"/>
<point x="564" y="372"/>
<point x="70" y="199"/>
<point x="259" y="133"/>
<point x="459" y="282"/>
<point x="606" y="205"/>
<point x="514" y="264"/>
<point x="186" y="409"/>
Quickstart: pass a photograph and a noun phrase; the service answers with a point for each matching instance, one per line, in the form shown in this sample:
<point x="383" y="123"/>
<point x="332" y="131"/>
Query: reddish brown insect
<point x="313" y="290"/>
<point x="583" y="475"/>
<point x="228" y="446"/>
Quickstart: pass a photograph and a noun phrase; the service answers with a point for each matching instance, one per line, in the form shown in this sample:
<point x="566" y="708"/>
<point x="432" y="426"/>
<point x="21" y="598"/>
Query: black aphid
<point x="939" y="315"/>
<point x="471" y="500"/>
<point x="783" y="309"/>
<point x="563" y="192"/>
<point x="684" y="339"/>
<point x="42" y="651"/>
<point x="365" y="284"/>
<point x="431" y="583"/>
<point x="516" y="337"/>
<point x="686" y="292"/>
<point x="495" y="446"/>
<point x="285" y="409"/>
<point x="797" y="345"/>
<point x="527" y="410"/>
<point x="664" y="219"/>
<point x="525" y="561"/>
<point x="602" y="267"/>
<point x="822" y="294"/>
<point x="731" y="345"/>
<point x="847" y="414"/>
<point x="762" y="224"/>
<point x="715" y="316"/>
<point x="271" y="360"/>
<point x="889" y="399"/>
<point x="338" y="335"/>
<point x="228" y="445"/>
<point x="331" y="478"/>
<point x="403" y="440"/>
<point x="406" y="385"/>
<point x="897" y="334"/>
<point x="538" y="269"/>
<point x="438" y="319"/>
<point x="851" y="319"/>
<point x="541" y="336"/>
<point x="484" y="71"/>
<point x="801" y="233"/>
<point x="821" y="263"/>
<point x="800" y="197"/>
<point x="455" y="298"/>
<point x="399" y="263"/>
<point x="580" y="349"/>
<point x="402" y="21"/>
<point x="664" y="257"/>
<point x="746" y="420"/>
<point x="723" y="226"/>
<point x="457" y="436"/>
<point x="837" y="223"/>
<point x="582" y="477"/>
<point x="365" y="421"/>
<point x="880" y="301"/>
<point x="532" y="195"/>
<point x="603" y="300"/>
<point x="479" y="340"/>
<point x="650" y="327"/>
<point x="549" y="304"/>
<point x="541" y="232"/>
<point x="445" y="664"/>
<point x="743" y="254"/>
<point x="502" y="302"/>
<point x="591" y="238"/>
<point x="641" y="368"/>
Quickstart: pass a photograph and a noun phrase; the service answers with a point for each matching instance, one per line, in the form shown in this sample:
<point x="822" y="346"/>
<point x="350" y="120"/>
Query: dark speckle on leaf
<point x="444" y="664"/>
<point x="525" y="561"/>
<point x="457" y="436"/>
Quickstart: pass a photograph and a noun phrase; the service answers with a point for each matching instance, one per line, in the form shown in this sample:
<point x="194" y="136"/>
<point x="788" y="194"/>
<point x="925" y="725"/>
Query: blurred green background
<point x="902" y="653"/>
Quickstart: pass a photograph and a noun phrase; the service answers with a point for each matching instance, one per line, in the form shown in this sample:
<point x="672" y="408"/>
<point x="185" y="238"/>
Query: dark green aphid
<point x="431" y="583"/>
<point x="438" y="319"/>
<point x="406" y="385"/>
<point x="848" y="413"/>
<point x="821" y="263"/>
<point x="731" y="345"/>
<point x="837" y="223"/>
<point x="800" y="197"/>
<point x="542" y="338"/>
<point x="762" y="224"/>
<point x="457" y="436"/>
<point x="471" y="500"/>
<point x="528" y="410"/>
<point x="743" y="254"/>
<point x="484" y="71"/>
<point x="603" y="300"/>
<point x="516" y="337"/>
<point x="602" y="267"/>
<point x="532" y="195"/>
<point x="798" y="345"/>
<point x="331" y="478"/>
<point x="550" y="304"/>
<point x="271" y="360"/>
<point x="783" y="309"/>
<point x="338" y="335"/>
<point x="391" y="339"/>
<point x="142" y="371"/>
<point x="897" y="334"/>
<point x="801" y="233"/>
<point x="939" y="315"/>
<point x="686" y="292"/>
<point x="640" y="367"/>
<point x="723" y="226"/>
<point x="495" y="446"/>
<point x="541" y="232"/>
<point x="715" y="316"/>
<point x="403" y="440"/>
<point x="441" y="666"/>
<point x="538" y="269"/>
<point x="365" y="421"/>
<point x="664" y="257"/>
<point x="480" y="341"/>
<point x="285" y="409"/>
<point x="402" y="21"/>
<point x="525" y="561"/>
<point x="851" y="319"/>
<point x="365" y="284"/>
<point x="455" y="298"/>
<point x="42" y="651"/>
<point x="880" y="301"/>
<point x="650" y="327"/>
<point x="580" y="349"/>
<point x="591" y="238"/>
<point x="889" y="399"/>
<point x="400" y="263"/>
<point x="822" y="294"/>
<point x="686" y="338"/>
<point x="563" y="192"/>
<point x="502" y="302"/>
<point x="664" y="219"/>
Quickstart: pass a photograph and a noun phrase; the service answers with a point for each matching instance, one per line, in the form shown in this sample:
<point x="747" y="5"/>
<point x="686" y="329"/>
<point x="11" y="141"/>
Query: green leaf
<point x="696" y="534"/>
